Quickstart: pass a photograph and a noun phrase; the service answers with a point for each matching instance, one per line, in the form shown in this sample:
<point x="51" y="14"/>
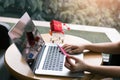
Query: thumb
<point x="70" y="58"/>
<point x="74" y="58"/>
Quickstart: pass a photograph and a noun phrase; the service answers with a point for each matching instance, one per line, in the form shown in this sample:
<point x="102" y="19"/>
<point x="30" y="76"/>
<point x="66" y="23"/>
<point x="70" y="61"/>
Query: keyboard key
<point x="54" y="59"/>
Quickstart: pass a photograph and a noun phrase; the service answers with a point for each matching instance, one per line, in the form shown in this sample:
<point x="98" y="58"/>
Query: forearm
<point x="104" y="47"/>
<point x="111" y="71"/>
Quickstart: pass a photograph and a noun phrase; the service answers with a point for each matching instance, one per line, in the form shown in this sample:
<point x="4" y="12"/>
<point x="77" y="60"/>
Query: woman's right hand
<point x="74" y="64"/>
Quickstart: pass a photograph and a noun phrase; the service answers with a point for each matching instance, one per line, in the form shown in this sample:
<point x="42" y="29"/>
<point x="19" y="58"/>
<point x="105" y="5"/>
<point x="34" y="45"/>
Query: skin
<point x="79" y="65"/>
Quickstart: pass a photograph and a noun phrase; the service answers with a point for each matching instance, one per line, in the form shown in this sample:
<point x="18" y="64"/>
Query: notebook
<point x="43" y="58"/>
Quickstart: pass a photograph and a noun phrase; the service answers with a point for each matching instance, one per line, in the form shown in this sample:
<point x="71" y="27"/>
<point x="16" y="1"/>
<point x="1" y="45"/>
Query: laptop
<point x="43" y="58"/>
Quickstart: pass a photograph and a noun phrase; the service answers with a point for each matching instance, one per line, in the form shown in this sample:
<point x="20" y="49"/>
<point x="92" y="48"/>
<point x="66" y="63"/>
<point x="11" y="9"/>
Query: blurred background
<point x="104" y="13"/>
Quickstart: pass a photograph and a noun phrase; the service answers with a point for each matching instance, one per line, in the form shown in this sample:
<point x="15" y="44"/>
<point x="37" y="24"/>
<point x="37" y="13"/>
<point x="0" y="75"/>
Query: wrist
<point x="86" y="47"/>
<point x="88" y="67"/>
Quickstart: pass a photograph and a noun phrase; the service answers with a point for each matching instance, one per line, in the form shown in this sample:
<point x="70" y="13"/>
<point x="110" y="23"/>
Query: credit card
<point x="63" y="51"/>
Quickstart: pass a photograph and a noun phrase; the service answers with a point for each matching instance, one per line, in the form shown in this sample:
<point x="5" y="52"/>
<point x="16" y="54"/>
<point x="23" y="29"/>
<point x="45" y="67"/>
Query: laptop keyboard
<point x="54" y="59"/>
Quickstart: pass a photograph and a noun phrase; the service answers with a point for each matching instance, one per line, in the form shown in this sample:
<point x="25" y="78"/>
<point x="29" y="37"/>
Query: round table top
<point x="20" y="69"/>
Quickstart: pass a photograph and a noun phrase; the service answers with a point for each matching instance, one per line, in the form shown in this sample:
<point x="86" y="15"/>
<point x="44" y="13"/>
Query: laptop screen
<point x="27" y="38"/>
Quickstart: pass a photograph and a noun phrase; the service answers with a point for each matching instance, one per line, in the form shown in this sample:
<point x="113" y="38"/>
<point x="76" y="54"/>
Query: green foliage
<point x="84" y="12"/>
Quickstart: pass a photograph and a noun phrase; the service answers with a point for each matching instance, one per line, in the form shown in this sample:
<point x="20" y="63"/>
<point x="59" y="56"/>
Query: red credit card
<point x="63" y="51"/>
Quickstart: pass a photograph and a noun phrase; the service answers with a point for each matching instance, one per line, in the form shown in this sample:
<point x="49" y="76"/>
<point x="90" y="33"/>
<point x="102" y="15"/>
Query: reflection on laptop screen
<point x="26" y="37"/>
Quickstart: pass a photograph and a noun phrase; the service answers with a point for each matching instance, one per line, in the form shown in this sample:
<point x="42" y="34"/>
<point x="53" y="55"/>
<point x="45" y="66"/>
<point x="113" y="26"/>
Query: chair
<point x="4" y="44"/>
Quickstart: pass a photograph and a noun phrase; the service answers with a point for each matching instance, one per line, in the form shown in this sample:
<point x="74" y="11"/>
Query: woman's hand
<point x="72" y="49"/>
<point x="74" y="64"/>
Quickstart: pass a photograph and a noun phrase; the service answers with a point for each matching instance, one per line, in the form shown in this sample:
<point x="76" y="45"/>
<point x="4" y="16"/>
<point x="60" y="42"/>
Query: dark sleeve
<point x="4" y="38"/>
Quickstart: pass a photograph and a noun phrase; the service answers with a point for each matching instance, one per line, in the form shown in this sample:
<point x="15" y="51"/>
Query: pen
<point x="63" y="51"/>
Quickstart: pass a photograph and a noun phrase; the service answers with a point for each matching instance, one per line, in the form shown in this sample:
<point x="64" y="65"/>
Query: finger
<point x="67" y="65"/>
<point x="72" y="49"/>
<point x="68" y="59"/>
<point x="67" y="48"/>
<point x="75" y="51"/>
<point x="65" y="45"/>
<point x="74" y="58"/>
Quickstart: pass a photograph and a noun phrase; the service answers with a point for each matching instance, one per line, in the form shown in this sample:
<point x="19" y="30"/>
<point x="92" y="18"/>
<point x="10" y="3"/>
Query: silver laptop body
<point x="43" y="58"/>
